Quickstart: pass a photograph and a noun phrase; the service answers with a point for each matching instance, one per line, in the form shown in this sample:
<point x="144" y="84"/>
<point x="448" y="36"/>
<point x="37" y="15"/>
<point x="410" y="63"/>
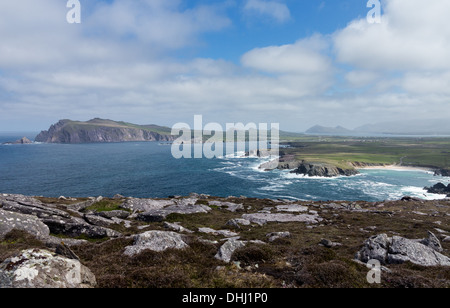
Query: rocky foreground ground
<point x="204" y="241"/>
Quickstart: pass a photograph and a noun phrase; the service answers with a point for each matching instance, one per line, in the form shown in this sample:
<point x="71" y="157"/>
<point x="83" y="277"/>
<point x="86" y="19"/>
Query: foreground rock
<point x="397" y="250"/>
<point x="263" y="218"/>
<point x="28" y="223"/>
<point x="155" y="241"/>
<point x="36" y="268"/>
<point x="226" y="250"/>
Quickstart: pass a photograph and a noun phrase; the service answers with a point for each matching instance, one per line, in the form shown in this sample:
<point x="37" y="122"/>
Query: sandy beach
<point x="397" y="168"/>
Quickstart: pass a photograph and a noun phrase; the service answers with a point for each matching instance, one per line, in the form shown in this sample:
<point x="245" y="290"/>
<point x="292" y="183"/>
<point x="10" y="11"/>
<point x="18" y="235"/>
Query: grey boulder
<point x="28" y="223"/>
<point x="36" y="268"/>
<point x="397" y="250"/>
<point x="156" y="241"/>
<point x="227" y="249"/>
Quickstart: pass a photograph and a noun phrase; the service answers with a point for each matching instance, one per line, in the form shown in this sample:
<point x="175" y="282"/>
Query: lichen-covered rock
<point x="36" y="268"/>
<point x="226" y="250"/>
<point x="156" y="241"/>
<point x="230" y="206"/>
<point x="263" y="218"/>
<point x="75" y="227"/>
<point x="27" y="223"/>
<point x="397" y="250"/>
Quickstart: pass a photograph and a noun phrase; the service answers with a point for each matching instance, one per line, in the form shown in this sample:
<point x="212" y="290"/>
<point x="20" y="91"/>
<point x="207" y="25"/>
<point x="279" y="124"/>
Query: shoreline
<point x="397" y="168"/>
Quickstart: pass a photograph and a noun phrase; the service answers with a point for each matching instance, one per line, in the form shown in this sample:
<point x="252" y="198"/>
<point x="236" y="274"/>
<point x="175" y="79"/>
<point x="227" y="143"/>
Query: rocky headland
<point x="205" y="241"/>
<point x="102" y="131"/>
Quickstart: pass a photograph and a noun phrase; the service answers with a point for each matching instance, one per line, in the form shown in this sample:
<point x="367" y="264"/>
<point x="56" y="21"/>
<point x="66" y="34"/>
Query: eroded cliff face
<point x="66" y="131"/>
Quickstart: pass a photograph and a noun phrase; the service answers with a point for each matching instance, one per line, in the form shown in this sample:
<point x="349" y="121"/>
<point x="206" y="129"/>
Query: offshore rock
<point x="323" y="170"/>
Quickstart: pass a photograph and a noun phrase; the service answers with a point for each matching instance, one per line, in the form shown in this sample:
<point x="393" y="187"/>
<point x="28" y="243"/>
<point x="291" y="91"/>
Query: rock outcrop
<point x="323" y="170"/>
<point x="439" y="188"/>
<point x="37" y="268"/>
<point x="397" y="250"/>
<point x="102" y="131"/>
<point x="23" y="140"/>
<point x="28" y="223"/>
<point x="264" y="218"/>
<point x="226" y="250"/>
<point x="155" y="241"/>
<point x="442" y="172"/>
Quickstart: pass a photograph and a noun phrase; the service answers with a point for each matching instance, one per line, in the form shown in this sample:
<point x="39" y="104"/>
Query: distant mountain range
<point x="409" y="127"/>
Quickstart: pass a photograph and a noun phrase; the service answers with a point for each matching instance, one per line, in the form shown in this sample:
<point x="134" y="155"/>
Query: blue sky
<point x="294" y="62"/>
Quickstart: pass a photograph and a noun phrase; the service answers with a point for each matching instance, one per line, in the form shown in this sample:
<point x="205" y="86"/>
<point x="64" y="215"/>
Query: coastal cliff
<point x="102" y="131"/>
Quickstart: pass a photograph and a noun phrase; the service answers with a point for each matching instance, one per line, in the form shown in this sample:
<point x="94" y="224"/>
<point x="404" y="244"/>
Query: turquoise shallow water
<point x="148" y="170"/>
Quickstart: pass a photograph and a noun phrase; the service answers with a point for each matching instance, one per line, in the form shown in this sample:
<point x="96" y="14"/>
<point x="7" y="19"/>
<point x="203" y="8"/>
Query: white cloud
<point x="303" y="57"/>
<point x="123" y="70"/>
<point x="413" y="34"/>
<point x="275" y="10"/>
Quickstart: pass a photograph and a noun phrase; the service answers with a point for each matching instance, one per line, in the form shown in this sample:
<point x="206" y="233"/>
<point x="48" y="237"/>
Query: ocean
<point x="148" y="170"/>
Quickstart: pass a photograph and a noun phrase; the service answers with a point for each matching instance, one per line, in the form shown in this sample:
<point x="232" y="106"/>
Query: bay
<point x="148" y="170"/>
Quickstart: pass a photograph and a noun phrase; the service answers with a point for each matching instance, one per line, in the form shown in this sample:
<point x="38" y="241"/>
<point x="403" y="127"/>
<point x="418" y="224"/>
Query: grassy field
<point x="420" y="152"/>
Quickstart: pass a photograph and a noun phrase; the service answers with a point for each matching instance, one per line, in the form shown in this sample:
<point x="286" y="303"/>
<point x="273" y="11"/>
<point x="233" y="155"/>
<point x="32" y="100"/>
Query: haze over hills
<point x="407" y="127"/>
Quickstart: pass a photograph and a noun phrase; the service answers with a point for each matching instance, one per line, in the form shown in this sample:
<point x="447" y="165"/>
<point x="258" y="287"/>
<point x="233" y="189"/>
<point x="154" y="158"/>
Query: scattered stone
<point x="225" y="233"/>
<point x="176" y="227"/>
<point x="226" y="250"/>
<point x="230" y="206"/>
<point x="277" y="235"/>
<point x="115" y="214"/>
<point x="237" y="222"/>
<point x="263" y="218"/>
<point x="98" y="220"/>
<point x="329" y="244"/>
<point x="156" y="241"/>
<point x="292" y="208"/>
<point x="36" y="268"/>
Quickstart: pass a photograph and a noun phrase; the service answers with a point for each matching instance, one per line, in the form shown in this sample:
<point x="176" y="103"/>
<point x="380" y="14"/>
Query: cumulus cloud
<point x="412" y="35"/>
<point x="122" y="63"/>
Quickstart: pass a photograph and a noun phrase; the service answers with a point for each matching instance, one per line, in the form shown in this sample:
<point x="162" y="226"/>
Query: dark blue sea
<point x="148" y="170"/>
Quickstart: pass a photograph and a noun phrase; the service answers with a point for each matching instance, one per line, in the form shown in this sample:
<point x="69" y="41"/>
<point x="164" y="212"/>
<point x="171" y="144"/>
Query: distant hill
<point x="401" y="127"/>
<point x="409" y="127"/>
<point x="102" y="131"/>
<point x="339" y="130"/>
